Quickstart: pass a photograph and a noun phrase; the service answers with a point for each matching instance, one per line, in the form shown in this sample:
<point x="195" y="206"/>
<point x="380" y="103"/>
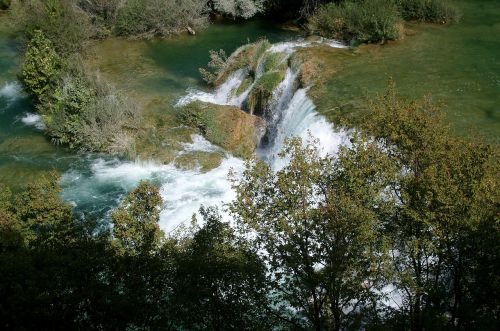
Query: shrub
<point x="159" y="17"/>
<point x="217" y="64"/>
<point x="434" y="11"/>
<point x="361" y="21"/>
<point x="4" y="4"/>
<point x="238" y="8"/>
<point x="62" y="22"/>
<point x="88" y="114"/>
<point x="42" y="66"/>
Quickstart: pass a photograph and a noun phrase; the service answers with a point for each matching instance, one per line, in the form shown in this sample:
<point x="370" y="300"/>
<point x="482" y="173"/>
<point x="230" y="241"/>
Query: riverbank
<point x="457" y="65"/>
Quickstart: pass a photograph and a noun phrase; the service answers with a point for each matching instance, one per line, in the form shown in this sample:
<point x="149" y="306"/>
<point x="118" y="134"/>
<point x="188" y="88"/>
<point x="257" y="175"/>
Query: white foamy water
<point x="223" y="95"/>
<point x="183" y="191"/>
<point x="11" y="91"/>
<point x="300" y="119"/>
<point x="35" y="120"/>
<point x="288" y="47"/>
<point x="291" y="114"/>
<point x="199" y="144"/>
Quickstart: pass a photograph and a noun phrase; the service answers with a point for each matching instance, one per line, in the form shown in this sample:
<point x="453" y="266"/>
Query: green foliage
<point x="62" y="22"/>
<point x="102" y="13"/>
<point x="316" y="222"/>
<point x="216" y="66"/>
<point x="135" y="222"/>
<point x="434" y="11"/>
<point x="5" y="4"/>
<point x="262" y="92"/>
<point x="159" y="17"/>
<point x="446" y="192"/>
<point x="247" y="58"/>
<point x="360" y="21"/>
<point x="78" y="109"/>
<point x="41" y="66"/>
<point x="238" y="8"/>
<point x="222" y="278"/>
<point x="46" y="220"/>
<point x="88" y="114"/>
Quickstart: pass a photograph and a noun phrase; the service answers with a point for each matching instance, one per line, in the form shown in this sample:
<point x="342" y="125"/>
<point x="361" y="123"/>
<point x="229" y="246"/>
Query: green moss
<point x="262" y="91"/>
<point x="275" y="61"/>
<point x="225" y="126"/>
<point x="204" y="161"/>
<point x="247" y="82"/>
<point x="247" y="56"/>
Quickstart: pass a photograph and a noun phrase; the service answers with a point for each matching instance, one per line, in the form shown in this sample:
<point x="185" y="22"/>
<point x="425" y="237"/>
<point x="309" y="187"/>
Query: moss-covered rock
<point x="228" y="127"/>
<point x="275" y="61"/>
<point x="261" y="94"/>
<point x="246" y="57"/>
<point x="204" y="161"/>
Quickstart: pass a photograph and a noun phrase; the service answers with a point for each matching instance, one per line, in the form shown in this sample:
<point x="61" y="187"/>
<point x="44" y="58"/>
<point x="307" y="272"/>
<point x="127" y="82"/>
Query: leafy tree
<point x="41" y="67"/>
<point x="238" y="8"/>
<point x="316" y="224"/>
<point x="46" y="219"/>
<point x="446" y="191"/>
<point x="160" y="17"/>
<point x="136" y="221"/>
<point x="222" y="279"/>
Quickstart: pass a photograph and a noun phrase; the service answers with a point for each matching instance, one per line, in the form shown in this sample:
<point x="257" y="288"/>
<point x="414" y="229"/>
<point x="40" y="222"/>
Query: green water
<point x="458" y="65"/>
<point x="154" y="73"/>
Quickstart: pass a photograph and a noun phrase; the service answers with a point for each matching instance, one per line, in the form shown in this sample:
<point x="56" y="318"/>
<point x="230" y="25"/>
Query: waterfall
<point x="290" y="113"/>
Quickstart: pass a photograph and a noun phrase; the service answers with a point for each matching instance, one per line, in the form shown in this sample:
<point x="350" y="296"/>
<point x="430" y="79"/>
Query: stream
<point x="161" y="74"/>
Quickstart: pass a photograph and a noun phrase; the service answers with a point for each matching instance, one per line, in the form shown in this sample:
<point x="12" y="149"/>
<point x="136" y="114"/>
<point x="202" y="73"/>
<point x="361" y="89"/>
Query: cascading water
<point x="290" y="113"/>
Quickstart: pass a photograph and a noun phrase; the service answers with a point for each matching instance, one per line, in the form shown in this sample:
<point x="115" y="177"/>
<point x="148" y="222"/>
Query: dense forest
<point x="399" y="230"/>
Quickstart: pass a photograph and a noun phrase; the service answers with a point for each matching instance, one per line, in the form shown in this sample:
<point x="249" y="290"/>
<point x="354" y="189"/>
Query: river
<point x="463" y="72"/>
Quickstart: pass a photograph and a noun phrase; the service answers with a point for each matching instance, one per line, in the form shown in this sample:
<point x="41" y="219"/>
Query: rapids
<point x="185" y="191"/>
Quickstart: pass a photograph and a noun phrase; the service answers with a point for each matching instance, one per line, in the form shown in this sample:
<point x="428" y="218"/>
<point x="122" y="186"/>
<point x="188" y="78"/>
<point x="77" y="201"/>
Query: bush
<point x="42" y="66"/>
<point x="4" y="4"/>
<point x="238" y="8"/>
<point x="434" y="11"/>
<point x="160" y="17"/>
<point x="361" y="21"/>
<point x="89" y="115"/>
<point x="62" y="22"/>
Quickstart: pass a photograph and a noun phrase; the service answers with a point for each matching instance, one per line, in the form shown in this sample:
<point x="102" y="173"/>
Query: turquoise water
<point x="153" y="70"/>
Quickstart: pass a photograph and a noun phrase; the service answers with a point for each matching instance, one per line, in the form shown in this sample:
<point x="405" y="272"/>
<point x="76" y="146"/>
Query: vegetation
<point x="78" y="109"/>
<point x="159" y="18"/>
<point x="238" y="8"/>
<point x="406" y="213"/>
<point x="246" y="58"/>
<point x="4" y="4"/>
<point x="364" y="21"/>
<point x="228" y="127"/>
<point x="435" y="11"/>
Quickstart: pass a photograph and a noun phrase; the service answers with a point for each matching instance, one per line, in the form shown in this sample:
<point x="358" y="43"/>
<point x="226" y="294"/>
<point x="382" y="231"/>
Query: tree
<point x="316" y="223"/>
<point x="45" y="218"/>
<point x="446" y="191"/>
<point x="238" y="8"/>
<point x="135" y="222"/>
<point x="41" y="66"/>
<point x="221" y="279"/>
